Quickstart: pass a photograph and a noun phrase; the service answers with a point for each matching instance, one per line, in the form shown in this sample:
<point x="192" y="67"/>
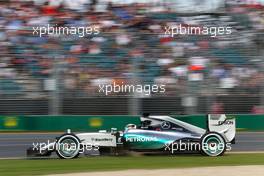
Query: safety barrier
<point x="93" y="123"/>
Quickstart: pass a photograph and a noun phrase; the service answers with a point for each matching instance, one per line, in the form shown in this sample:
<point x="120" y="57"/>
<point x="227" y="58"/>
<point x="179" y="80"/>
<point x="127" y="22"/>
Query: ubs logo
<point x="226" y="122"/>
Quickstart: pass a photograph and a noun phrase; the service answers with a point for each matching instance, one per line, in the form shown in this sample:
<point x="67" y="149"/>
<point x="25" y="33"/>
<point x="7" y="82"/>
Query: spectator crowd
<point x="132" y="47"/>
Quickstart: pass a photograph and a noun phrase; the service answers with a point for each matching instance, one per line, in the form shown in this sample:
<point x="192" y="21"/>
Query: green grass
<point x="88" y="164"/>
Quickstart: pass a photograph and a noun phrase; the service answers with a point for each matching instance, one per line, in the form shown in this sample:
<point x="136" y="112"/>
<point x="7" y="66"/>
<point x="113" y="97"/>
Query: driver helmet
<point x="131" y="126"/>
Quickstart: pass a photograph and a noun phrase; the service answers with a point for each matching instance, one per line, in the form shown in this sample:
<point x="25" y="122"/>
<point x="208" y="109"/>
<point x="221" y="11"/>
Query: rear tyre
<point x="68" y="146"/>
<point x="213" y="144"/>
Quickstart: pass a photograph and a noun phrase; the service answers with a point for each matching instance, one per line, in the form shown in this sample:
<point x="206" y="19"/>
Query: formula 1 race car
<point x="159" y="134"/>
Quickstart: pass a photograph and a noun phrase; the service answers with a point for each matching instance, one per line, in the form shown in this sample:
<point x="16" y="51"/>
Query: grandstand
<point x="64" y="71"/>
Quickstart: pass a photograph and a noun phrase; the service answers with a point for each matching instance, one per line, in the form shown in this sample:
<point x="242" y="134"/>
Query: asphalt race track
<point x="14" y="145"/>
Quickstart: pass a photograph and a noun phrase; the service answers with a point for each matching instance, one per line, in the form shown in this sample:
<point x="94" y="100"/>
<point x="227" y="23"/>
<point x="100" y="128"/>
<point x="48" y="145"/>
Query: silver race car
<point x="154" y="134"/>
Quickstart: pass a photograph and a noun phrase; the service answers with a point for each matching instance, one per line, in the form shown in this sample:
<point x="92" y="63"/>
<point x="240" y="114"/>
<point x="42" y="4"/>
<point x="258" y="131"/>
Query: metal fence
<point x="122" y="105"/>
<point x="50" y="95"/>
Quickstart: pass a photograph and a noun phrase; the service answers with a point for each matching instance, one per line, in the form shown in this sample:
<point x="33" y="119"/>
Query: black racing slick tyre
<point x="213" y="144"/>
<point x="68" y="146"/>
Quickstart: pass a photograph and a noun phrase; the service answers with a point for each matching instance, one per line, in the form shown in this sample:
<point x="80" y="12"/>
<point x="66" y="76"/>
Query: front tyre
<point x="213" y="144"/>
<point x="68" y="146"/>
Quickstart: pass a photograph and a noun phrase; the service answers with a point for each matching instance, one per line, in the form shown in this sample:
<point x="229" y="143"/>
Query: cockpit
<point x="156" y="125"/>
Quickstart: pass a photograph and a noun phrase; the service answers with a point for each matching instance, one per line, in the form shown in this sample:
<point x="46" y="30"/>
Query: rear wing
<point x="223" y="124"/>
